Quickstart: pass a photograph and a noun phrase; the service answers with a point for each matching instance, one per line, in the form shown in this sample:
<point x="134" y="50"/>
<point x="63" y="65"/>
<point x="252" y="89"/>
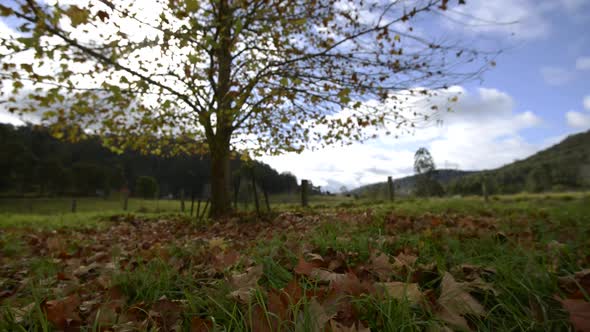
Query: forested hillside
<point x="564" y="166"/>
<point x="405" y="185"/>
<point x="34" y="163"/>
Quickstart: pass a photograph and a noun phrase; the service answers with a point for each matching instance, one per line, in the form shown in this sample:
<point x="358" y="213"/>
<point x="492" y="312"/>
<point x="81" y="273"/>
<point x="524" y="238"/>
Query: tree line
<point x="32" y="162"/>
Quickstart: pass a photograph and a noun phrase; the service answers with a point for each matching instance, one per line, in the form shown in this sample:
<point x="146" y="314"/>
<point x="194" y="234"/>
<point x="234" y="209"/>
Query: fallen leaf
<point x="326" y="276"/>
<point x="200" y="325"/>
<point x="63" y="313"/>
<point x="316" y="318"/>
<point x="455" y="301"/>
<point x="168" y="314"/>
<point x="305" y="268"/>
<point x="579" y="313"/>
<point x="401" y="291"/>
<point x="357" y="327"/>
<point x="380" y="265"/>
<point x="244" y="283"/>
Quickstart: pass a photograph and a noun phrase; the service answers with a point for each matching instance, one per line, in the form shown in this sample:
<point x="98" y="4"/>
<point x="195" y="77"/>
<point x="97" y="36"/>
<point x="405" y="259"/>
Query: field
<point x="516" y="263"/>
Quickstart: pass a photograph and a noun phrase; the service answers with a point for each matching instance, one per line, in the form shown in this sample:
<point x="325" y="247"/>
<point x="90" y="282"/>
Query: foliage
<point x="147" y="187"/>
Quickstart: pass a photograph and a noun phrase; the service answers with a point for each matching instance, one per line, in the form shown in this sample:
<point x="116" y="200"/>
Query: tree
<point x="423" y="162"/>
<point x="146" y="187"/>
<point x="218" y="73"/>
<point x="424" y="168"/>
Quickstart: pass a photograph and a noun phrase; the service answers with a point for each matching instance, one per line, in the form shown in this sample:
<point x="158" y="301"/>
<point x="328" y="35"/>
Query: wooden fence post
<point x="74" y="205"/>
<point x="204" y="210"/>
<point x="182" y="200"/>
<point x="192" y="202"/>
<point x="125" y="200"/>
<point x="265" y="192"/>
<point x="390" y="188"/>
<point x="198" y="208"/>
<point x="237" y="181"/>
<point x="484" y="188"/>
<point x="255" y="191"/>
<point x="304" y="193"/>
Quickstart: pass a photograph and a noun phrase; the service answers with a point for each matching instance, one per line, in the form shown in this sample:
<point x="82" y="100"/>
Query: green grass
<point x="63" y="205"/>
<point x="524" y="286"/>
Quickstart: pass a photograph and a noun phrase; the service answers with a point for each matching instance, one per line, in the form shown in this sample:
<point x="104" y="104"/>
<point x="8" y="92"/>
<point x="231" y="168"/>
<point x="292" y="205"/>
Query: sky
<point x="536" y="95"/>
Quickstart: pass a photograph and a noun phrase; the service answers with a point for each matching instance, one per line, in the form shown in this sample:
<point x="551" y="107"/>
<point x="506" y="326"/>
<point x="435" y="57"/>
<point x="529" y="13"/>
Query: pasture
<point x="516" y="263"/>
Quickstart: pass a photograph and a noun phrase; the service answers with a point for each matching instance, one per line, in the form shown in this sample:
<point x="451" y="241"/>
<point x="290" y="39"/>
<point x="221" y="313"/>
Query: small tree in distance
<point x="279" y="75"/>
<point x="146" y="187"/>
<point x="424" y="167"/>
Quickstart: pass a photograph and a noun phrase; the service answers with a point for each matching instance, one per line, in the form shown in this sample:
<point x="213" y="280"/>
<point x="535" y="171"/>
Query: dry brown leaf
<point x="381" y="266"/>
<point x="327" y="276"/>
<point x="350" y="284"/>
<point x="576" y="285"/>
<point x="402" y="291"/>
<point x="168" y="314"/>
<point x="579" y="313"/>
<point x="455" y="301"/>
<point x="200" y="325"/>
<point x="318" y="317"/>
<point x="305" y="268"/>
<point x="63" y="313"/>
<point x="225" y="259"/>
<point x="357" y="327"/>
<point x="244" y="283"/>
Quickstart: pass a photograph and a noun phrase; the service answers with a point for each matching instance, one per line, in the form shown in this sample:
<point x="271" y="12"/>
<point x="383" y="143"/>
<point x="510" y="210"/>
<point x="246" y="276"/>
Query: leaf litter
<point x="320" y="292"/>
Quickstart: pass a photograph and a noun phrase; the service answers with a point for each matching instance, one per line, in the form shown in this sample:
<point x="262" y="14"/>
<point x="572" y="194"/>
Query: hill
<point x="405" y="185"/>
<point x="563" y="166"/>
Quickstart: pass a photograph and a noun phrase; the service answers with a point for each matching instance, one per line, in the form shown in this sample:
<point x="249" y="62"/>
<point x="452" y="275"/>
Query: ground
<point x="513" y="264"/>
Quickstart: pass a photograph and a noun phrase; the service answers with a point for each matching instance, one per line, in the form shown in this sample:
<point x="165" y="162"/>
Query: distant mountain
<point x="563" y="166"/>
<point x="405" y="185"/>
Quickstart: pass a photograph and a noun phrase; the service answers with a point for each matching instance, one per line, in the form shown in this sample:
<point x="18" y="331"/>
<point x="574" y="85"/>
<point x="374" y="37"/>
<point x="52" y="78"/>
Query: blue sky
<point x="532" y="99"/>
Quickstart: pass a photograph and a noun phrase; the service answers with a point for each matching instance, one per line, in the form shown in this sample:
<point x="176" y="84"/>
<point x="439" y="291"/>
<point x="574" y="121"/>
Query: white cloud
<point x="587" y="103"/>
<point x="6" y="117"/>
<point x="583" y="63"/>
<point x="524" y="19"/>
<point x="556" y="75"/>
<point x="484" y="131"/>
<point x="578" y="120"/>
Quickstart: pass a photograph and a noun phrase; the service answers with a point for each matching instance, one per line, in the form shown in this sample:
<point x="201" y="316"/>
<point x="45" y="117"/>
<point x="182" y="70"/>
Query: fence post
<point x="304" y="193"/>
<point x="192" y="201"/>
<point x="265" y="192"/>
<point x="484" y="188"/>
<point x="390" y="188"/>
<point x="237" y="191"/>
<point x="74" y="203"/>
<point x="255" y="192"/>
<point x="198" y="209"/>
<point x="182" y="200"/>
<point x="125" y="200"/>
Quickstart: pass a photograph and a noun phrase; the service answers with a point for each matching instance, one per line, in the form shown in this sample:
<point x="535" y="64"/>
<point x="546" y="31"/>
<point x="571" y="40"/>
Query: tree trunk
<point x="219" y="142"/>
<point x="220" y="181"/>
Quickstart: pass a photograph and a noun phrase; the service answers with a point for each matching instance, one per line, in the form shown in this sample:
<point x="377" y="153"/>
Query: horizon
<point x="536" y="95"/>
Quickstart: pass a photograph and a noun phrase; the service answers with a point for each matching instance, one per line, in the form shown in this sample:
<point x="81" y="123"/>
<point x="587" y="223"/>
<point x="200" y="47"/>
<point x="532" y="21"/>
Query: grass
<point x="525" y="282"/>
